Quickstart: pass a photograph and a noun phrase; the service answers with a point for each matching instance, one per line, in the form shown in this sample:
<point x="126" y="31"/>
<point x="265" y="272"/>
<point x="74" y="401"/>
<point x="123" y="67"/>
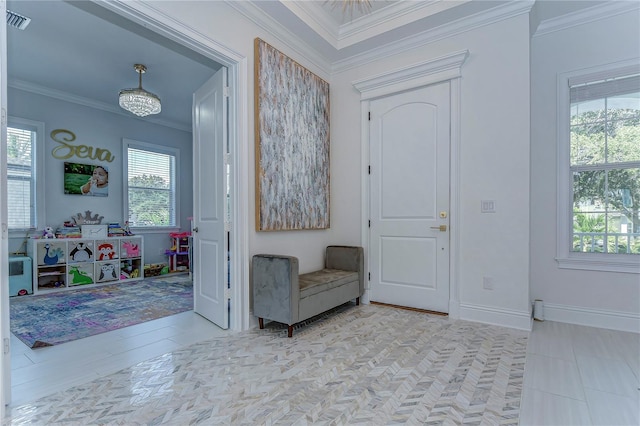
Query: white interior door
<point x="209" y="179"/>
<point x="409" y="184"/>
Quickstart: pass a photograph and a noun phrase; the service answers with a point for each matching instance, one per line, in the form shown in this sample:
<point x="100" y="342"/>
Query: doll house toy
<point x="180" y="251"/>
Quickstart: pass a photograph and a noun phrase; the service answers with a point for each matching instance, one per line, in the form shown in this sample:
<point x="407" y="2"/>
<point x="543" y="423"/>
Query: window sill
<point x="626" y="265"/>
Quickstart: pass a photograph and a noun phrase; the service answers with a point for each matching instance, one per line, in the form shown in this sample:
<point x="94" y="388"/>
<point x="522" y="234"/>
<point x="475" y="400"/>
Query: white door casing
<point x="5" y="354"/>
<point x="209" y="204"/>
<point x="409" y="196"/>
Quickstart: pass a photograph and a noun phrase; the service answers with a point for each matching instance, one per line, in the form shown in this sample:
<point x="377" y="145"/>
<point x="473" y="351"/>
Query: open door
<point x="209" y="256"/>
<point x="5" y="355"/>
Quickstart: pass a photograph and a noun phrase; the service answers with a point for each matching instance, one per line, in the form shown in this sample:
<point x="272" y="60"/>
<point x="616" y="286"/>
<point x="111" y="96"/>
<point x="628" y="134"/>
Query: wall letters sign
<point x="67" y="150"/>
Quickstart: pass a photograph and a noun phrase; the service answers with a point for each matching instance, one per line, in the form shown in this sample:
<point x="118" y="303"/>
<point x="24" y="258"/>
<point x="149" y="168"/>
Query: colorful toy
<point x="48" y="232"/>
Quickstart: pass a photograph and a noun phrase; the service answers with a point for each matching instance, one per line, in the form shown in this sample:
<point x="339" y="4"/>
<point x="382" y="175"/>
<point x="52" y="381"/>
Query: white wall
<point x="494" y="162"/>
<point x="602" y="299"/>
<point x="99" y="129"/>
<point x="494" y="154"/>
<point x="220" y="22"/>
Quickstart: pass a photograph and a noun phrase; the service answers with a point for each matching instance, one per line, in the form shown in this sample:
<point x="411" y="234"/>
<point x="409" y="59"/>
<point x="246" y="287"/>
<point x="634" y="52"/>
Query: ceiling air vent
<point x="17" y="21"/>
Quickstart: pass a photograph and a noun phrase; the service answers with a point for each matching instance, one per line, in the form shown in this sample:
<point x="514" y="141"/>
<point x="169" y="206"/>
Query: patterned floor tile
<point x="363" y="364"/>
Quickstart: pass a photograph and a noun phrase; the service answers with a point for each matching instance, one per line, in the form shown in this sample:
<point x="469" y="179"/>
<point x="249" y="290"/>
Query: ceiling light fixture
<point x="139" y="101"/>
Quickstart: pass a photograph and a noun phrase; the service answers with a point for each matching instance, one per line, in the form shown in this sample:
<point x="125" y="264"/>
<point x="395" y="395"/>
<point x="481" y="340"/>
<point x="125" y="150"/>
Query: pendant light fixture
<point x="139" y="101"/>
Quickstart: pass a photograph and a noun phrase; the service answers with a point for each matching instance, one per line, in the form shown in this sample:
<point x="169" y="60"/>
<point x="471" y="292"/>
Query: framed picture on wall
<point x="292" y="143"/>
<point x="86" y="179"/>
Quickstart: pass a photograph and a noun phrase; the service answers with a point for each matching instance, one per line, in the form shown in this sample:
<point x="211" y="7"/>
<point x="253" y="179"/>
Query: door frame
<point x="160" y="23"/>
<point x="236" y="64"/>
<point x="437" y="70"/>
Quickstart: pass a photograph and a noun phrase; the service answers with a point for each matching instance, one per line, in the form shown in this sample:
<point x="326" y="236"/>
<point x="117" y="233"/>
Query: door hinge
<point x="369" y="115"/>
<point x="369" y="223"/>
<point x="369" y="276"/>
<point x="225" y="91"/>
<point x="227" y="158"/>
<point x="227" y="293"/>
<point x="6" y="346"/>
<point x="227" y="226"/>
<point x="369" y="169"/>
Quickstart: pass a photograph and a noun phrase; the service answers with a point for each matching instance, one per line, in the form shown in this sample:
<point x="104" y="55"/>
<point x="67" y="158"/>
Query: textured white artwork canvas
<point x="292" y="144"/>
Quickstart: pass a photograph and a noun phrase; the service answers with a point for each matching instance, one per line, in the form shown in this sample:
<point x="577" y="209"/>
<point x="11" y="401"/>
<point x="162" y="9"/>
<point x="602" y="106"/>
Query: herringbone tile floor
<point x="359" y="365"/>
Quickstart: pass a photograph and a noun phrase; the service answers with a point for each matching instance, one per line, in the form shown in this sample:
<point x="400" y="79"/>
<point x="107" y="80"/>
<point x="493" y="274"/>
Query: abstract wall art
<point x="292" y="144"/>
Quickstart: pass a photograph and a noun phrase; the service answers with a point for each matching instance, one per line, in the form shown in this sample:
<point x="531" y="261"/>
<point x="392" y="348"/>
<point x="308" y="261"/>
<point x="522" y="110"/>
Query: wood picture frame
<point x="292" y="144"/>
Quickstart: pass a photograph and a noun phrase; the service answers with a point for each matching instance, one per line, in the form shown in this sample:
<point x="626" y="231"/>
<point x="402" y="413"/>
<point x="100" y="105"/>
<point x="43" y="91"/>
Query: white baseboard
<point x="614" y="320"/>
<point x="497" y="316"/>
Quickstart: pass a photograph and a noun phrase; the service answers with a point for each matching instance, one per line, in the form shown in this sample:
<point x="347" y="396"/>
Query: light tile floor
<point x="44" y="371"/>
<point x="577" y="375"/>
<point x="574" y="375"/>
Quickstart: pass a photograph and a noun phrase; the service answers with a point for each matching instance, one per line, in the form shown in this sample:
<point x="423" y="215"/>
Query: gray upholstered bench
<point x="281" y="294"/>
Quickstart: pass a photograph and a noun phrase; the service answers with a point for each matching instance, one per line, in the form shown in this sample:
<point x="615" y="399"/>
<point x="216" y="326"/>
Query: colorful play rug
<point x="55" y="318"/>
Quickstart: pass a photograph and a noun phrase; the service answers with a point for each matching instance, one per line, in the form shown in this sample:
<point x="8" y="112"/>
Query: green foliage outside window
<point x="605" y="156"/>
<point x="149" y="201"/>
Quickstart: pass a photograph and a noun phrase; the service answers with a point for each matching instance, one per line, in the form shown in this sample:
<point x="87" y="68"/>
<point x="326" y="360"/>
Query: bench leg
<point x="290" y="331"/>
<point x="357" y="301"/>
<point x="261" y="322"/>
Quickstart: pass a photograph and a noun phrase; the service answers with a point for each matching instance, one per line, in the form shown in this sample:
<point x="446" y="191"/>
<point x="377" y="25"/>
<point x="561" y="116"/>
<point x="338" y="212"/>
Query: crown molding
<point x="316" y="18"/>
<point x="273" y="27"/>
<point x="90" y="103"/>
<point x="370" y="25"/>
<point x="390" y="17"/>
<point x="459" y="26"/>
<point x="585" y="16"/>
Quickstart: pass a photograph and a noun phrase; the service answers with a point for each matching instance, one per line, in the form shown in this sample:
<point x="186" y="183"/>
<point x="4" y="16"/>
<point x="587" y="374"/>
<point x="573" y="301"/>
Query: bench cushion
<point x="323" y="280"/>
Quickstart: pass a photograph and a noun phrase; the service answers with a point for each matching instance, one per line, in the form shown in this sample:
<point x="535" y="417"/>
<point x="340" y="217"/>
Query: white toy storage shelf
<point x="61" y="264"/>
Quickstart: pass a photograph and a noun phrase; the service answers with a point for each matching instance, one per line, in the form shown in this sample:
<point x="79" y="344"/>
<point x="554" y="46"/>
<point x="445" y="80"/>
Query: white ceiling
<point x="71" y="50"/>
<point x="83" y="50"/>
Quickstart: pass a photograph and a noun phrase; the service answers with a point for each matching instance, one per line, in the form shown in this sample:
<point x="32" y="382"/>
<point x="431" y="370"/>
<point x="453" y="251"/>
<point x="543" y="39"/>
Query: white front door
<point x="209" y="200"/>
<point x="409" y="184"/>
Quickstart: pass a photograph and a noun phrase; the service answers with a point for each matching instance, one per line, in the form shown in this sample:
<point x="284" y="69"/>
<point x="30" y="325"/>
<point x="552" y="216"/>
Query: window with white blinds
<point x="151" y="192"/>
<point x="22" y="185"/>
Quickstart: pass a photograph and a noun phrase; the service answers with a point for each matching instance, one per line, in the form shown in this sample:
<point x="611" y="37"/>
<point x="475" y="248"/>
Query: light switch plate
<point x="488" y="206"/>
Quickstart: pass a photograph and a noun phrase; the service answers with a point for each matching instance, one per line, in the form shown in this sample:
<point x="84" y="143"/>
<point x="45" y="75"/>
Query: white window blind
<point x="21" y="178"/>
<point x="151" y="187"/>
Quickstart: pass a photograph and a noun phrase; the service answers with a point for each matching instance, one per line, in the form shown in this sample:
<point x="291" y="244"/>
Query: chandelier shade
<point x="139" y="101"/>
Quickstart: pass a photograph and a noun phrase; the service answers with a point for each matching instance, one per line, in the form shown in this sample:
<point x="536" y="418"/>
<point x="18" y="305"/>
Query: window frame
<point x="159" y="149"/>
<point x="566" y="258"/>
<point x="38" y="171"/>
